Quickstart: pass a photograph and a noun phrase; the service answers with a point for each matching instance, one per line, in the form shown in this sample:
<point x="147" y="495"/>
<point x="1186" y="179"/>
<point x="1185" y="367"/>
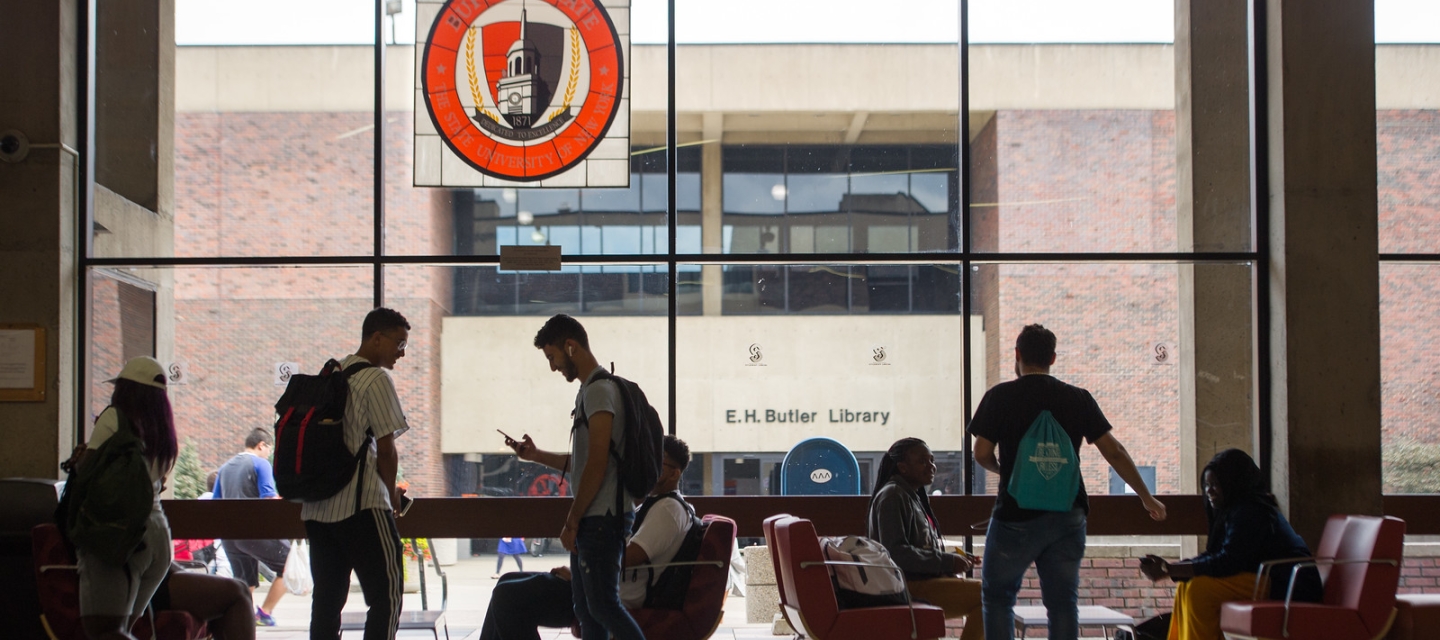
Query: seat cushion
<point x="1417" y="615"/>
<point x="1307" y="621"/>
<point x="876" y="623"/>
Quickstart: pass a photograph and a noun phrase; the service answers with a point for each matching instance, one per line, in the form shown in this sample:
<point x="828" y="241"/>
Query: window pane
<point x="1107" y="320"/>
<point x="804" y="206"/>
<point x="774" y="375"/>
<point x="228" y="337"/>
<point x="1073" y="145"/>
<point x="482" y="371"/>
<point x="281" y="164"/>
<point x="1408" y="158"/>
<point x="1409" y="388"/>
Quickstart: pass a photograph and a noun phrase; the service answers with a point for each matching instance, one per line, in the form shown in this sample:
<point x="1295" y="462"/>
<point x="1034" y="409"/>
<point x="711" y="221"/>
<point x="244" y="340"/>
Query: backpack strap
<point x="628" y="405"/>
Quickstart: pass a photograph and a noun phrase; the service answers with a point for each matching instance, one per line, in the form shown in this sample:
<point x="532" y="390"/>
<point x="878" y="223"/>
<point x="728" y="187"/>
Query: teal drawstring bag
<point x="1046" y="476"/>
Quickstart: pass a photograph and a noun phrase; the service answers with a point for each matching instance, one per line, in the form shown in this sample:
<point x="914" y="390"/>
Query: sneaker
<point x="263" y="619"/>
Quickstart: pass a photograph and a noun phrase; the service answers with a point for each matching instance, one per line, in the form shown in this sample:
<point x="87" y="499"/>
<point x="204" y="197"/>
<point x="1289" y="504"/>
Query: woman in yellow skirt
<point x="1246" y="529"/>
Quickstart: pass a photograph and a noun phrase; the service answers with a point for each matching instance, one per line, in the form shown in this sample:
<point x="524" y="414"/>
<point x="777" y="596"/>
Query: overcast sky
<point x="232" y="22"/>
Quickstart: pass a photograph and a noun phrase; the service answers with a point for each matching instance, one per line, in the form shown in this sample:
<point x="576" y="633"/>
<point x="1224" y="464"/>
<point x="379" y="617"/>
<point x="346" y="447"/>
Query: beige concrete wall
<point x="823" y="366"/>
<point x="812" y="93"/>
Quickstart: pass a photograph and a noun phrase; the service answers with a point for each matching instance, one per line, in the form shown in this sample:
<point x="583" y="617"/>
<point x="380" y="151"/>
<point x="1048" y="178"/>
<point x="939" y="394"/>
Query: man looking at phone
<point x="355" y="528"/>
<point x="602" y="512"/>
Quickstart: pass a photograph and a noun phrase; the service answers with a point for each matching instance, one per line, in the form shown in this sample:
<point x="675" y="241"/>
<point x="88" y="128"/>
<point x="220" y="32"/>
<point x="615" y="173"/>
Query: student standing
<point x="602" y="511"/>
<point x="364" y="539"/>
<point x="1054" y="541"/>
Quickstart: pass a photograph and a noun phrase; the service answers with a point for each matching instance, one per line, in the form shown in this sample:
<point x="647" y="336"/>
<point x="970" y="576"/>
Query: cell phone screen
<point x="405" y="503"/>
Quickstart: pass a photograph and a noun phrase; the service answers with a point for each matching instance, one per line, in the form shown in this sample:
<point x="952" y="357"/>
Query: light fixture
<point x="538" y="236"/>
<point x="508" y="195"/>
<point x="524" y="217"/>
<point x="778" y="192"/>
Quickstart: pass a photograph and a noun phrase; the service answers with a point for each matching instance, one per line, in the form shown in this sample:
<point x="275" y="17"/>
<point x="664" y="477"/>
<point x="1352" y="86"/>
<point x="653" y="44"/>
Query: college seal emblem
<point x="523" y="90"/>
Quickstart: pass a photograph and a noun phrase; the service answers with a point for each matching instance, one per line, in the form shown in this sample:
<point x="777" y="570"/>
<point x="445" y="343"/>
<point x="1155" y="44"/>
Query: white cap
<point x="144" y="370"/>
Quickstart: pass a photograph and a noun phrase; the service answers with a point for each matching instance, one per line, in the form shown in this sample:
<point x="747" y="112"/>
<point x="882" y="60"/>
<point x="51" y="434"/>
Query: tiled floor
<point x="470" y="585"/>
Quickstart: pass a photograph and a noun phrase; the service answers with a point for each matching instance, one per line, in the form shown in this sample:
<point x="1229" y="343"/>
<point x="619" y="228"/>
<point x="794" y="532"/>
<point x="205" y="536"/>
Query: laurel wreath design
<point x="474" y="80"/>
<point x="574" y="73"/>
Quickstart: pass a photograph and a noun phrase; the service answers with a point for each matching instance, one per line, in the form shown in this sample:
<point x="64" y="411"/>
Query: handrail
<point x="1294" y="571"/>
<point x="493" y="517"/>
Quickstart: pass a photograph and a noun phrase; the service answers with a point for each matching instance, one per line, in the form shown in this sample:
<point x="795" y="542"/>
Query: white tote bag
<point x="297" y="569"/>
<point x="881" y="578"/>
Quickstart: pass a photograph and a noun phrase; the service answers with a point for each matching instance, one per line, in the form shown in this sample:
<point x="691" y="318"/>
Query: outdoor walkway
<point x="470" y="586"/>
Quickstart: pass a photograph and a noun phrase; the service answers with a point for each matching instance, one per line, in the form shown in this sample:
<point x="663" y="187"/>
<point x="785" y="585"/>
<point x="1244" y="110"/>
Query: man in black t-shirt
<point x="1053" y="540"/>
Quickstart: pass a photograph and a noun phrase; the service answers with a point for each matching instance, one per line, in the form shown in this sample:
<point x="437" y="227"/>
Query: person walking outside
<point x="512" y="547"/>
<point x="248" y="475"/>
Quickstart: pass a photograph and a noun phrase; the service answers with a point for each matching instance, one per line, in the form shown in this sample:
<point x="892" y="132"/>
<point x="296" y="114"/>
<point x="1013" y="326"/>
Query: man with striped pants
<point x="355" y="528"/>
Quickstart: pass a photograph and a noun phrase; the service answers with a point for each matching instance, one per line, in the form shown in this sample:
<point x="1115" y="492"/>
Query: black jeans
<point x="368" y="544"/>
<point x="523" y="601"/>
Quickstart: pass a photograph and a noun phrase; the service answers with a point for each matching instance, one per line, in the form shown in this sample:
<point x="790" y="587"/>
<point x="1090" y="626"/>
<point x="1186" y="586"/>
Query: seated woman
<point x="223" y="603"/>
<point x="902" y="521"/>
<point x="1246" y="528"/>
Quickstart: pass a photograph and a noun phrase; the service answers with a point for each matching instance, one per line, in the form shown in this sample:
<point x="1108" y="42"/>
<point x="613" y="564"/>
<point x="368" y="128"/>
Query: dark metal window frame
<point x="961" y="224"/>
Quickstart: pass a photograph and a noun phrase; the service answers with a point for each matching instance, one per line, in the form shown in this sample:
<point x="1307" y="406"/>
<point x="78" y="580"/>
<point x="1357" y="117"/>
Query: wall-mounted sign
<point x="834" y="416"/>
<point x="523" y="93"/>
<point x="283" y="371"/>
<point x="177" y="372"/>
<point x="756" y="355"/>
<point x="878" y="356"/>
<point x="541" y="258"/>
<point x="1162" y="353"/>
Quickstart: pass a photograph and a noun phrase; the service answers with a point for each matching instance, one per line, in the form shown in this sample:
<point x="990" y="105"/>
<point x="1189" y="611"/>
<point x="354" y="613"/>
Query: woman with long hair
<point x="901" y="519"/>
<point x="112" y="596"/>
<point x="1246" y="528"/>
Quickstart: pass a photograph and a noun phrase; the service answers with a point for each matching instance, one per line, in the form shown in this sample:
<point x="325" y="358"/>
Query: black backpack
<point x="312" y="461"/>
<point x="669" y="590"/>
<point x="108" y="500"/>
<point x="638" y="460"/>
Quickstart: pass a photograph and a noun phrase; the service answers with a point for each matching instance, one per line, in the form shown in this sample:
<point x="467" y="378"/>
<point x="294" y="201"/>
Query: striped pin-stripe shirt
<point x="373" y="405"/>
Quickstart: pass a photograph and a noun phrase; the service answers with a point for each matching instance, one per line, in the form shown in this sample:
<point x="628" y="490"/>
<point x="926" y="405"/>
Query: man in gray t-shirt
<point x="599" y="519"/>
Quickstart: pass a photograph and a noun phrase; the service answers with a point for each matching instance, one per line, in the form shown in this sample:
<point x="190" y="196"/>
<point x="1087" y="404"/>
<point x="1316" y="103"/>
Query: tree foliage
<point x="189" y="474"/>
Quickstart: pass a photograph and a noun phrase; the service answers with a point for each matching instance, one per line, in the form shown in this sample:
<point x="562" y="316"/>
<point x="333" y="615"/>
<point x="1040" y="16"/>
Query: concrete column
<point x="1324" y="272"/>
<point x="1212" y="176"/>
<point x="37" y="228"/>
<point x="711" y="209"/>
<point x="135" y="101"/>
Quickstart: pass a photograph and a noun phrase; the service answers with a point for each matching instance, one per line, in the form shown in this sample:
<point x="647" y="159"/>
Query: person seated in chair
<point x="902" y="521"/>
<point x="223" y="603"/>
<point x="523" y="601"/>
<point x="1246" y="529"/>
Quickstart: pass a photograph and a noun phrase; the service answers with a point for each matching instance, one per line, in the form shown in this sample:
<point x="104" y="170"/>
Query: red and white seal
<point x="522" y="89"/>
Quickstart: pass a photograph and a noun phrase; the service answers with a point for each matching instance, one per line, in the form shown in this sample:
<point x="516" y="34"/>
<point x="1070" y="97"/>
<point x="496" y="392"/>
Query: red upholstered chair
<point x="705" y="600"/>
<point x="1359" y="592"/>
<point x="1329" y="544"/>
<point x="769" y="528"/>
<point x="58" y="581"/>
<point x="810" y="596"/>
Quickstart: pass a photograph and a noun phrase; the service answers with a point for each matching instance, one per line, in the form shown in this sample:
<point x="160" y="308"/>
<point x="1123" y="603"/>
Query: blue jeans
<point x="595" y="568"/>
<point x="1055" y="542"/>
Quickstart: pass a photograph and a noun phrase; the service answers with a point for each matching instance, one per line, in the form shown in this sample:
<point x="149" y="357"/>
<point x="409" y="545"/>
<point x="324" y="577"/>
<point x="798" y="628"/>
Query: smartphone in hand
<point x="405" y="504"/>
